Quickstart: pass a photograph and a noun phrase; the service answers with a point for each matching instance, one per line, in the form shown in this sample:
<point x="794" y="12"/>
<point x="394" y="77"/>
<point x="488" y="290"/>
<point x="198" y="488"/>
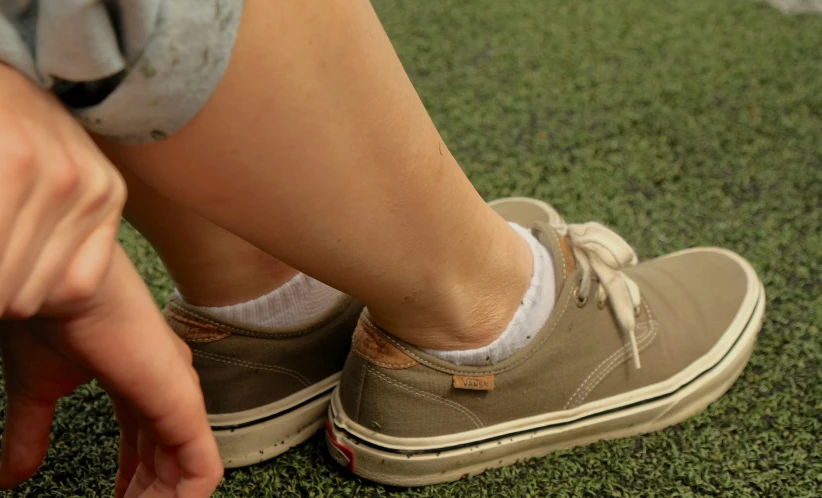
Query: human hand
<point x="60" y="204"/>
<point x="166" y="445"/>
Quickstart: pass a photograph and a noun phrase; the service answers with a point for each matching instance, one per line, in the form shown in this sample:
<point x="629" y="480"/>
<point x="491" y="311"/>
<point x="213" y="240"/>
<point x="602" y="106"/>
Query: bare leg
<point x="210" y="266"/>
<point x="316" y="148"/>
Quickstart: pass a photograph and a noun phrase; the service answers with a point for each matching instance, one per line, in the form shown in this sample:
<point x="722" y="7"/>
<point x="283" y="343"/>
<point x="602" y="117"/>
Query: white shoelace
<point x="602" y="254"/>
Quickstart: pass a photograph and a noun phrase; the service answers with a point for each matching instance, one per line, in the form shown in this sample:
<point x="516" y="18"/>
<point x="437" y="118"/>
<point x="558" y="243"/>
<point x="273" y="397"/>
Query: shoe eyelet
<point x="601" y="304"/>
<point x="581" y="301"/>
<point x="637" y="311"/>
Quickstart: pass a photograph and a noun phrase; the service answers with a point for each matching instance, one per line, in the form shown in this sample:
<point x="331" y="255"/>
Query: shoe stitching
<point x="204" y="335"/>
<point x="644" y="341"/>
<point x="607" y="361"/>
<point x="247" y="364"/>
<point x="252" y="333"/>
<point x="596" y="370"/>
<point x="427" y="363"/>
<point x="405" y="387"/>
<point x="559" y="244"/>
<point x="359" y="393"/>
<point x="206" y="340"/>
<point x="609" y="366"/>
<point x="390" y="366"/>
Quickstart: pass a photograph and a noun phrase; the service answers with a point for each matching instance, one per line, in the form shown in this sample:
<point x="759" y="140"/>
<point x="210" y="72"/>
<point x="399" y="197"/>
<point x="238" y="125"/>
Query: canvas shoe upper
<point x="629" y="348"/>
<point x="265" y="389"/>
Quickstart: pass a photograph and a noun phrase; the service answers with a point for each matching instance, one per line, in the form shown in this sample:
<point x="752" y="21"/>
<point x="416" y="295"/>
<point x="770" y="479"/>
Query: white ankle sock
<point x="297" y="302"/>
<point x="529" y="318"/>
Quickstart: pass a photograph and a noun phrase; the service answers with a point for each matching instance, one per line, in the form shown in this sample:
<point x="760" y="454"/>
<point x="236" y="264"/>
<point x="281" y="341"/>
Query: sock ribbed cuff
<point x="297" y="302"/>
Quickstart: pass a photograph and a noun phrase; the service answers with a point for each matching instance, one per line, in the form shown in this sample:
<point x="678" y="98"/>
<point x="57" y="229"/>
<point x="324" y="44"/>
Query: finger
<point x="129" y="459"/>
<point x="144" y="476"/>
<point x="146" y="448"/>
<point x="26" y="241"/>
<point x="78" y="251"/>
<point x="185" y="468"/>
<point x="17" y="170"/>
<point x="25" y="439"/>
<point x="103" y="209"/>
<point x="191" y="470"/>
<point x="51" y="274"/>
<point x="167" y="466"/>
<point x="143" y="480"/>
<point x="171" y="479"/>
<point x="81" y="276"/>
<point x="56" y="190"/>
<point x="202" y="468"/>
<point x="154" y="378"/>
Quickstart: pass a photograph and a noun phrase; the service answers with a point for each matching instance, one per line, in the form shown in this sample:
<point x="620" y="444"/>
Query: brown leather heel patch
<point x="483" y="383"/>
<point x="190" y="329"/>
<point x="375" y="349"/>
<point x="568" y="254"/>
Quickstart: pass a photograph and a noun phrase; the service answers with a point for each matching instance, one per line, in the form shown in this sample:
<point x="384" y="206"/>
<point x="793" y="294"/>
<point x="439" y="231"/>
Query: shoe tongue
<point x="560" y="248"/>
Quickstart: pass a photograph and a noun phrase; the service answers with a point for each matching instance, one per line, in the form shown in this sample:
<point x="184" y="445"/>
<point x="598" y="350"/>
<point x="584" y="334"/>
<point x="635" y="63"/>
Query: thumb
<point x="129" y="459"/>
<point x="25" y="438"/>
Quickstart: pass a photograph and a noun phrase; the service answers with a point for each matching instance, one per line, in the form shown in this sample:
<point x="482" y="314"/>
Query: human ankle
<point x="470" y="308"/>
<point x="533" y="311"/>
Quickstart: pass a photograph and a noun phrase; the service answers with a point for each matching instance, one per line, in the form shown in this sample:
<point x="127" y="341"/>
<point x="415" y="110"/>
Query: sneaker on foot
<point x="266" y="390"/>
<point x="628" y="349"/>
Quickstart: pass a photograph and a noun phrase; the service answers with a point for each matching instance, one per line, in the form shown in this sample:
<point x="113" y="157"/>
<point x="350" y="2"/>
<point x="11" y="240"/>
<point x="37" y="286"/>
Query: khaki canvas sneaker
<point x="266" y="390"/>
<point x="629" y="348"/>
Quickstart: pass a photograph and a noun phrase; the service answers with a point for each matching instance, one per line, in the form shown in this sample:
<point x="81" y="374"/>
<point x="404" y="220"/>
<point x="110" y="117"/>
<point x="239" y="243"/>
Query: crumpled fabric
<point x="152" y="63"/>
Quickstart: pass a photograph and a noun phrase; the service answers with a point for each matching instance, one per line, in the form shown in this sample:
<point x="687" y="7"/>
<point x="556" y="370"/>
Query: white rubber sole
<point x="416" y="462"/>
<point x="256" y="435"/>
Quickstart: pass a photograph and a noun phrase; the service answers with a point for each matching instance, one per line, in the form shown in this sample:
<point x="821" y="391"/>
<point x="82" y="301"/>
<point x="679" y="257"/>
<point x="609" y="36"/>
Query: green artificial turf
<point x="678" y="123"/>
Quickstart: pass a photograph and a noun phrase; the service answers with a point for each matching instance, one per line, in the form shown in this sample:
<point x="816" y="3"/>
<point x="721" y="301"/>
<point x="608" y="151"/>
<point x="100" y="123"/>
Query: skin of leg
<point x="316" y="148"/>
<point x="209" y="265"/>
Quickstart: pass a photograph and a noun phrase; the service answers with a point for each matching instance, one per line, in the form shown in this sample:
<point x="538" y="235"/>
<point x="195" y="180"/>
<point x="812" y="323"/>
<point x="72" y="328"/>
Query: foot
<point x="628" y="349"/>
<point x="266" y="389"/>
